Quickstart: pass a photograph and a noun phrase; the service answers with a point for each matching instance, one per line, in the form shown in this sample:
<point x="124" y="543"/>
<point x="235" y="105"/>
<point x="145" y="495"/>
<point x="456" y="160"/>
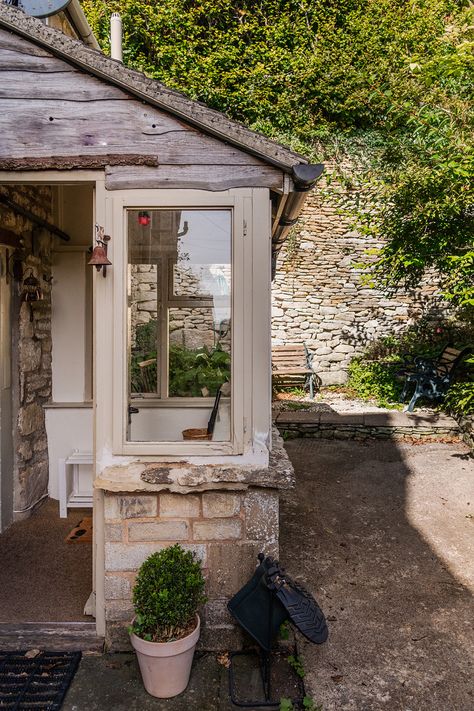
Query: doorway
<point x="46" y="404"/>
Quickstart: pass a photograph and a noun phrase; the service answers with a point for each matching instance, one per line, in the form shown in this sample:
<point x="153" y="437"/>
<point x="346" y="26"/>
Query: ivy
<point x="387" y="79"/>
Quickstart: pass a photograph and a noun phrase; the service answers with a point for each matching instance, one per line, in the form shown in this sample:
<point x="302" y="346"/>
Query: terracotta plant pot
<point x="166" y="666"/>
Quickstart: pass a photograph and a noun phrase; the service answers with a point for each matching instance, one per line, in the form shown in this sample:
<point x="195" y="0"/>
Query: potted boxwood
<point x="165" y="629"/>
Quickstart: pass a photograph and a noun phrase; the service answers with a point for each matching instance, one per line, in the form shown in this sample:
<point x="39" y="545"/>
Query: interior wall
<point x="69" y="416"/>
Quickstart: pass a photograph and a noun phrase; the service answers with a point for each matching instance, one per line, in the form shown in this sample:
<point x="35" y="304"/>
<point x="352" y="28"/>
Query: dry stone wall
<point x="31" y="344"/>
<point x="189" y="328"/>
<point x="320" y="298"/>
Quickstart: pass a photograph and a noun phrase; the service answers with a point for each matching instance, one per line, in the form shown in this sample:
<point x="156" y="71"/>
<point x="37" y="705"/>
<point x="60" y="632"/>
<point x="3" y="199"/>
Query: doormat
<point x="82" y="531"/>
<point x="36" y="681"/>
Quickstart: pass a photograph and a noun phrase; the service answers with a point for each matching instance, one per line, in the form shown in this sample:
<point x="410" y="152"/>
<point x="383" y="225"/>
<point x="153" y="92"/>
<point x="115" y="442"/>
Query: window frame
<point x="240" y="205"/>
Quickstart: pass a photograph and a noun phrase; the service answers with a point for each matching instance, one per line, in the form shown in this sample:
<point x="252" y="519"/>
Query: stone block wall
<point x="226" y="529"/>
<point x="320" y="298"/>
<point x="31" y="344"/>
<point x="189" y="327"/>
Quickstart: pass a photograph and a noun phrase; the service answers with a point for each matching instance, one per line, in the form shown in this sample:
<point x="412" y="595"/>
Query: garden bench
<point x="291" y="364"/>
<point x="431" y="377"/>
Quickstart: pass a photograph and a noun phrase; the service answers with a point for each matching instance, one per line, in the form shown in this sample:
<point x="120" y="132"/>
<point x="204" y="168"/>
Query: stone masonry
<point x="31" y="345"/>
<point x="225" y="529"/>
<point x="321" y="299"/>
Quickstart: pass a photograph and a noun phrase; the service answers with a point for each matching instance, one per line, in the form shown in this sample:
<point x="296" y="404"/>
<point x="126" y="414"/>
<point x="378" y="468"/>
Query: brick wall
<point x="226" y="530"/>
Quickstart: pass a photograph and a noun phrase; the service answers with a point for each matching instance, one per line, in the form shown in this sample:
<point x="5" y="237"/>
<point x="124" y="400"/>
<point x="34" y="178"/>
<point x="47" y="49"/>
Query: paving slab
<point x="112" y="682"/>
<point x="382" y="533"/>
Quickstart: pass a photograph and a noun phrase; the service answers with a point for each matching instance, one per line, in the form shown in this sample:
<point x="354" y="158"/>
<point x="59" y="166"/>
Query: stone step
<point x="50" y="637"/>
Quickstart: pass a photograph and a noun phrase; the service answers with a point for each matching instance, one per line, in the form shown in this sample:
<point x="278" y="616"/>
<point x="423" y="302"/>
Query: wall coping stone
<point x="372" y="419"/>
<point x="184" y="478"/>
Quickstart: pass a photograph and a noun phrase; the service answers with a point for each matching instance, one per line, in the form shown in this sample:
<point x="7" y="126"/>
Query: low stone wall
<point x="225" y="529"/>
<point x="466" y="426"/>
<point x="390" y="425"/>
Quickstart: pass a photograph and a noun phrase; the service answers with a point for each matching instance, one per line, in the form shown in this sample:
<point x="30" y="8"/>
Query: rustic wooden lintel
<point x="9" y="238"/>
<point x="87" y="162"/>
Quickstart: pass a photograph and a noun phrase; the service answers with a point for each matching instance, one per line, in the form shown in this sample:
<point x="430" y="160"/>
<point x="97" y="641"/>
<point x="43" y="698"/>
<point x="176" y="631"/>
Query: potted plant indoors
<point x="165" y="629"/>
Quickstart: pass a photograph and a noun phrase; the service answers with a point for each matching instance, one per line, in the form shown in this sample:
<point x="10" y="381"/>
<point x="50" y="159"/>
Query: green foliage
<point x="308" y="705"/>
<point x="197" y="372"/>
<point x="167" y="594"/>
<point x="460" y="399"/>
<point x="282" y="66"/>
<point x="297" y="665"/>
<point x="284" y="631"/>
<point x="387" y="79"/>
<point x="192" y="372"/>
<point x="292" y="405"/>
<point x="373" y="375"/>
<point x="374" y="381"/>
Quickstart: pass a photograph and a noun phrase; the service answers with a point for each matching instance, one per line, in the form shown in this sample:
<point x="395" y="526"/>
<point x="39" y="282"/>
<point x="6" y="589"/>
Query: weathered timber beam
<point x="9" y="238"/>
<point x="20" y="210"/>
<point x="86" y="162"/>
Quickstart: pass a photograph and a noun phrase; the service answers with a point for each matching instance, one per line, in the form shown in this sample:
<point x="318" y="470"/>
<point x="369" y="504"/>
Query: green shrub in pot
<point x="167" y="594"/>
<point x="166" y="627"/>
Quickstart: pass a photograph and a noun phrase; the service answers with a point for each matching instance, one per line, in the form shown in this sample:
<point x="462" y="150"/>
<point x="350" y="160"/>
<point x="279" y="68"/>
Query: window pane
<point x="144" y="336"/>
<point x="202" y="266"/>
<point x="179" y="305"/>
<point x="199" y="352"/>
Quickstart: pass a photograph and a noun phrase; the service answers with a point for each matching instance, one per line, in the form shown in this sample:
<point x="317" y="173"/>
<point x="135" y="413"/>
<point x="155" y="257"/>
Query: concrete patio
<point x="382" y="533"/>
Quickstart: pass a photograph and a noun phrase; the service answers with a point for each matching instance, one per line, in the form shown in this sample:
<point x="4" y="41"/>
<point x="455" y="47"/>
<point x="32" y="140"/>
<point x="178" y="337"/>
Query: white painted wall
<point x="69" y="421"/>
<point x="68" y="326"/>
<point x="68" y="428"/>
<point x="165" y="424"/>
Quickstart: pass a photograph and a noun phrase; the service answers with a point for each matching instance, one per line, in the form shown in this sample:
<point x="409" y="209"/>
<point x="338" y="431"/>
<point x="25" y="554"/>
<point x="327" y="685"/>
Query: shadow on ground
<point x="383" y="535"/>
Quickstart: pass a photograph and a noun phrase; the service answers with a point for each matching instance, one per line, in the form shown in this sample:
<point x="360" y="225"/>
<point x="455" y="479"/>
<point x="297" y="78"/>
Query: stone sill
<point x="185" y="478"/>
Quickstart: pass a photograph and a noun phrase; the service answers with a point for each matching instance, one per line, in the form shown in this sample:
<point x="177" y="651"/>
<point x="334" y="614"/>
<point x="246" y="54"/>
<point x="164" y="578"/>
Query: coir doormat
<point x="82" y="531"/>
<point x="37" y="682"/>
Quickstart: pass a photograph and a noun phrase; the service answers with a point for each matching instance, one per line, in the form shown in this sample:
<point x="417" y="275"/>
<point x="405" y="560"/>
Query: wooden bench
<point x="431" y="377"/>
<point x="291" y="365"/>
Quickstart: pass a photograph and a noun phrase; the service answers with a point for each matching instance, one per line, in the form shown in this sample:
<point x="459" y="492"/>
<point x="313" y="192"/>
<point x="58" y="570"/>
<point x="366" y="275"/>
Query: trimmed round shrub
<point x="167" y="594"/>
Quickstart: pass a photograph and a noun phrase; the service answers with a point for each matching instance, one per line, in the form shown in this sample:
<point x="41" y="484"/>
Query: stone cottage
<point x="111" y="368"/>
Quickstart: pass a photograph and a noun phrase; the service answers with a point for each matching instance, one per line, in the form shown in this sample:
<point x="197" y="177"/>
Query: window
<point x="179" y="329"/>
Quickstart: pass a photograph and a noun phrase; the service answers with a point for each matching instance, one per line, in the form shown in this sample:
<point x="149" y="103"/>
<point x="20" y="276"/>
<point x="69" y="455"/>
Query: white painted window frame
<point x="240" y="202"/>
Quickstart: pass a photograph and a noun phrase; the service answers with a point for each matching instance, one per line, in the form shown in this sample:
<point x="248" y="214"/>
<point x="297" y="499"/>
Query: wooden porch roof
<point x="148" y="90"/>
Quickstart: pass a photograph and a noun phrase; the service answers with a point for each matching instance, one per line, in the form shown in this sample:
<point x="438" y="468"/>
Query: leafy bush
<point x="197" y="372"/>
<point x="192" y="372"/>
<point x="374" y="381"/>
<point x="460" y="399"/>
<point x="167" y="594"/>
<point x="371" y="379"/>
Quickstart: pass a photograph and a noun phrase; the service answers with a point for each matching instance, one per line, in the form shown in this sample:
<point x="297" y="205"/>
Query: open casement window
<point x="180" y="323"/>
